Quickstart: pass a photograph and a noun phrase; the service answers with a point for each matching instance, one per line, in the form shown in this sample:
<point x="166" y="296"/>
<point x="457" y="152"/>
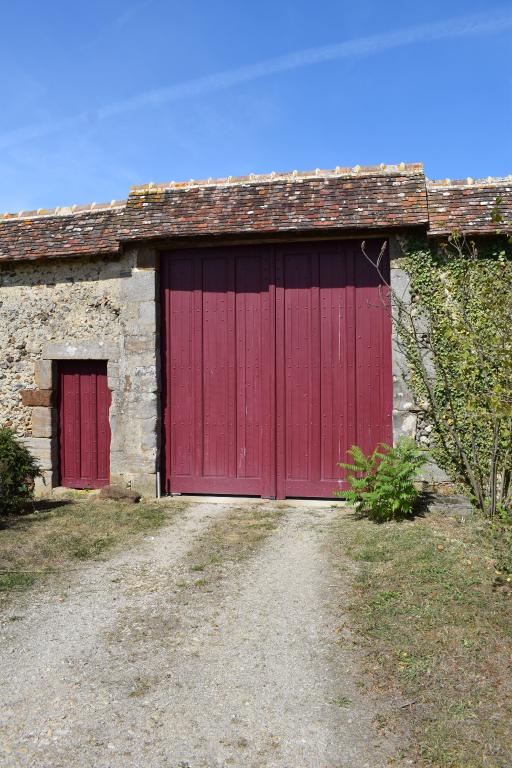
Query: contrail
<point x="466" y="26"/>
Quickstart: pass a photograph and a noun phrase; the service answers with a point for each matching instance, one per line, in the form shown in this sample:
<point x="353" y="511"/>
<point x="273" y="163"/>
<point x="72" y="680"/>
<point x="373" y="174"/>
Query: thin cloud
<point x="124" y="18"/>
<point x="461" y="27"/>
<point x="117" y="24"/>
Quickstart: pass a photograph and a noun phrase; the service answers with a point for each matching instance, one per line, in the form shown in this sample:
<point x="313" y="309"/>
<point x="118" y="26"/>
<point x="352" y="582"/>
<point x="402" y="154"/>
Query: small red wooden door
<point x="84" y="429"/>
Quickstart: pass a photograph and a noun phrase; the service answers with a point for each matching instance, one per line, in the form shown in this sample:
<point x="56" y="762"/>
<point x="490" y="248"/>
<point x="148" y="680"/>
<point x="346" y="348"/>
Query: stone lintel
<point x="84" y="350"/>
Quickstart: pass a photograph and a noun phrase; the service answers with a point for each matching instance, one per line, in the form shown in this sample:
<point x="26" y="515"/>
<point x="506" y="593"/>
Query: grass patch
<point x="61" y="533"/>
<point x="233" y="537"/>
<point x="141" y="687"/>
<point x="341" y="701"/>
<point x="436" y="621"/>
<point x="15" y="580"/>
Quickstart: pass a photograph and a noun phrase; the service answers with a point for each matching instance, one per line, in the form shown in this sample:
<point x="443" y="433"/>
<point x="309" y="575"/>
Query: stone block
<point x="143" y="345"/>
<point x="146" y="258"/>
<point x="113" y="370"/>
<point x="147" y="313"/>
<point x="144" y="379"/>
<point x="404" y="424"/>
<point x="84" y="350"/>
<point x="43" y="485"/>
<point x="143" y="483"/>
<point x="44" y="422"/>
<point x="44" y="450"/>
<point x="119" y="493"/>
<point x="42" y="398"/>
<point x="400" y="282"/>
<point x="113" y="383"/>
<point x="141" y="287"/>
<point x="433" y="474"/>
<point x="43" y="374"/>
<point x="138" y="327"/>
<point x="395" y="249"/>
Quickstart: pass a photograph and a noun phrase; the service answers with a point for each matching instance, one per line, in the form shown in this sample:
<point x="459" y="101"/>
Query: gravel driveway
<point x="141" y="662"/>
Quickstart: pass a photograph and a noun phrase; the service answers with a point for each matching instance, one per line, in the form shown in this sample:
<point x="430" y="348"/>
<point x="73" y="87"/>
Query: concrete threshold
<point x="257" y="501"/>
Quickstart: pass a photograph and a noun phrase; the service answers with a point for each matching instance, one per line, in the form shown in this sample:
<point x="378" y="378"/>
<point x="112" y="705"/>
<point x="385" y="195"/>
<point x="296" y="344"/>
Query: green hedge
<point x="18" y="470"/>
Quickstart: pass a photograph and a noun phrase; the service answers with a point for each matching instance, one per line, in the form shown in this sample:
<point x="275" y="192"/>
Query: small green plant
<point x="18" y="470"/>
<point x="382" y="484"/>
<point x="15" y="580"/>
<point x="341" y="701"/>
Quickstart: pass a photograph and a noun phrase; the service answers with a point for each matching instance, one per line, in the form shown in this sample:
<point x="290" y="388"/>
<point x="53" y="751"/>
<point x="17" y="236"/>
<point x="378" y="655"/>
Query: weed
<point x="15" y="580"/>
<point x="141" y="688"/>
<point x="91" y="549"/>
<point x="341" y="701"/>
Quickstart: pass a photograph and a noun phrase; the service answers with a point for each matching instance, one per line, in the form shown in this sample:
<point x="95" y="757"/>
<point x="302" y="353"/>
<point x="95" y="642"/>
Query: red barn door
<point x="218" y="351"/>
<point x="277" y="359"/>
<point x="84" y="430"/>
<point x="334" y="378"/>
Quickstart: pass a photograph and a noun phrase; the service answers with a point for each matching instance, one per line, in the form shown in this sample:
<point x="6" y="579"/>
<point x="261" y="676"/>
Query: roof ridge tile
<point x="489" y="181"/>
<point x="64" y="210"/>
<point x="382" y="169"/>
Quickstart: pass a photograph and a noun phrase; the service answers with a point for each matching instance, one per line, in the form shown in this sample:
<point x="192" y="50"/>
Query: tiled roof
<point x="345" y="198"/>
<point x="77" y="230"/>
<point x="364" y="198"/>
<point x="470" y="205"/>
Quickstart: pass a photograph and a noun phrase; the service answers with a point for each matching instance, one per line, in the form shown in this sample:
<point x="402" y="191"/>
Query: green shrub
<point x="382" y="484"/>
<point x="18" y="470"/>
<point x="453" y="327"/>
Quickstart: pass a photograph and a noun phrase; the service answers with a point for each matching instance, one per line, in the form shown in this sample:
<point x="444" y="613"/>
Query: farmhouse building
<point x="220" y="336"/>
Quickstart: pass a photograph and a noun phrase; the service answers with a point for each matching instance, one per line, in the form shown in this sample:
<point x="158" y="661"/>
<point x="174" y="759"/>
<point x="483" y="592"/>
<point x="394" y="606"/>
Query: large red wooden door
<point x="334" y="379"/>
<point x="276" y="360"/>
<point x="84" y="430"/>
<point x="218" y="349"/>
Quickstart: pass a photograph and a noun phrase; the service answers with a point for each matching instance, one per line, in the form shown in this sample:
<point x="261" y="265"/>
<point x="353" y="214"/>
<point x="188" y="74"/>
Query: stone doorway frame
<point x="44" y="443"/>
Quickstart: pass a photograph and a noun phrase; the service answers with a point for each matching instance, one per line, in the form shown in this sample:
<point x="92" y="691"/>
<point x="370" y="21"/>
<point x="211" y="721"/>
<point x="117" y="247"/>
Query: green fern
<point x="382" y="483"/>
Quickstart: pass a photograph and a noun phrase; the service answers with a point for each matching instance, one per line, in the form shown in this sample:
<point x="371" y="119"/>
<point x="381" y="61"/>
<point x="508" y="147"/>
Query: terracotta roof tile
<point x="371" y="197"/>
<point x="79" y="230"/>
<point x="468" y="205"/>
<point x="368" y="197"/>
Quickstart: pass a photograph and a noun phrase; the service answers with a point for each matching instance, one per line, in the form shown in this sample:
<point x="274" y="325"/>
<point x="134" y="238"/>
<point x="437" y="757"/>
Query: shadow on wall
<point x="51" y="272"/>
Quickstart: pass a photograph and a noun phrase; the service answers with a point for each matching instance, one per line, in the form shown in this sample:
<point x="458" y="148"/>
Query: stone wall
<point x="408" y="419"/>
<point x="108" y="309"/>
<point x="82" y="309"/>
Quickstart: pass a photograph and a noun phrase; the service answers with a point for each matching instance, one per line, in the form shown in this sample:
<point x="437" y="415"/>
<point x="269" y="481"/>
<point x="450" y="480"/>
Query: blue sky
<point x="97" y="96"/>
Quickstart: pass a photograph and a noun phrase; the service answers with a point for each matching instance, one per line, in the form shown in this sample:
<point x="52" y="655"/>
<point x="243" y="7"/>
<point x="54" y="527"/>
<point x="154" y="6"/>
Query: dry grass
<point x="62" y="532"/>
<point x="197" y="579"/>
<point x="232" y="538"/>
<point x="435" y="618"/>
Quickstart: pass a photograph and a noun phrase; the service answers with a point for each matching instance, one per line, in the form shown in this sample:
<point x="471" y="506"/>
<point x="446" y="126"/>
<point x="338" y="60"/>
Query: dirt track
<point x="141" y="661"/>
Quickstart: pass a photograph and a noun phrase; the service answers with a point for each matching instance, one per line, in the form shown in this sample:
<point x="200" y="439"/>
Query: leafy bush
<point x="18" y="470"/>
<point x="382" y="484"/>
<point x="453" y="327"/>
